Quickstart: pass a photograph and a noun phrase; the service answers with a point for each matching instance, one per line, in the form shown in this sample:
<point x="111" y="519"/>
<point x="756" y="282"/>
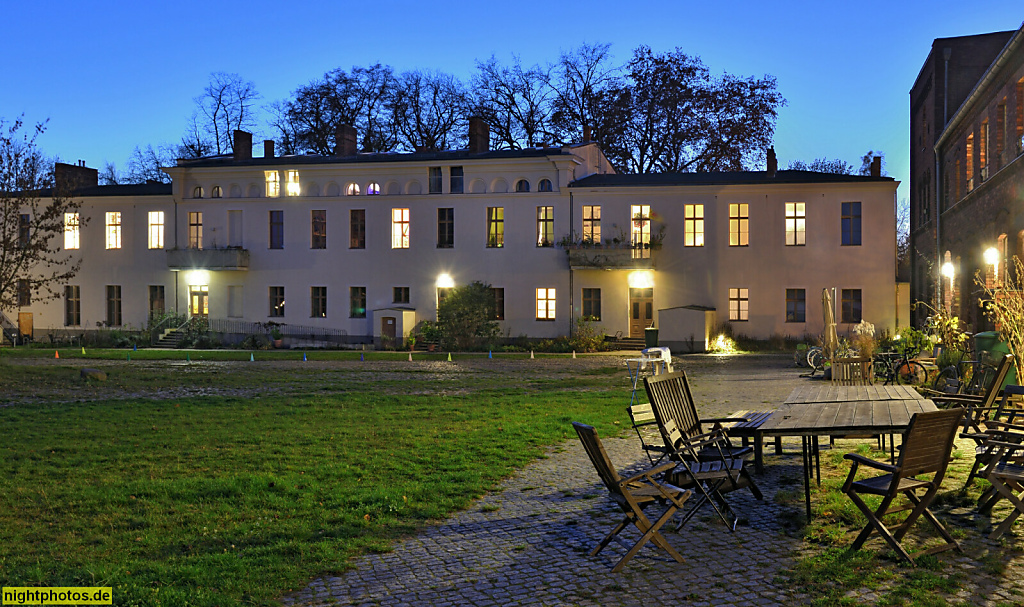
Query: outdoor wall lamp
<point x="445" y="281"/>
<point x="948" y="270"/>
<point x="991" y="256"/>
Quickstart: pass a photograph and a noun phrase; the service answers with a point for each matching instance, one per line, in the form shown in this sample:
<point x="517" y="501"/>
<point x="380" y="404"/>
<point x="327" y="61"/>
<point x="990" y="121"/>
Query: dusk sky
<point x="113" y="75"/>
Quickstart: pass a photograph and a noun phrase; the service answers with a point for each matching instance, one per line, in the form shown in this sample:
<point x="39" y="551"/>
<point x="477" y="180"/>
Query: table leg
<point x="817" y="458"/>
<point x="758" y="451"/>
<point x="806" y="444"/>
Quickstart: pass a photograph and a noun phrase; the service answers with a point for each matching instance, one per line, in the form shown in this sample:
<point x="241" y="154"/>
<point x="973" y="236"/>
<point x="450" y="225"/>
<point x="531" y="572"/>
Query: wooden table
<point x="842" y="410"/>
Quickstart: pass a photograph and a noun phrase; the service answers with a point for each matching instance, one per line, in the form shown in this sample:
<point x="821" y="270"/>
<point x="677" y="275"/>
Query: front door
<point x="156" y="300"/>
<point x="387" y="328"/>
<point x="641" y="311"/>
<point x="199" y="300"/>
<point x="25" y="323"/>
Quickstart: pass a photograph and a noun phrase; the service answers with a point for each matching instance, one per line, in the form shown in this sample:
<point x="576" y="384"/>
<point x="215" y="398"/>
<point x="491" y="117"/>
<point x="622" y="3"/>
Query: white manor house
<point x="362" y="246"/>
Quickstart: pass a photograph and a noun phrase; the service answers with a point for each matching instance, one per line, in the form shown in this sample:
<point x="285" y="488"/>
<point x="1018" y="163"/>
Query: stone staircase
<point x="627" y="343"/>
<point x="169" y="339"/>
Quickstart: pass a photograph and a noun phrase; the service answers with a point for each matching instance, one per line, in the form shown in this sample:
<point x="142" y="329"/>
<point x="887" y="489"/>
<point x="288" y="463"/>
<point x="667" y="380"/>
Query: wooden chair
<point x="856" y="371"/>
<point x="980" y="424"/>
<point x="1005" y="471"/>
<point x="646" y="427"/>
<point x="633" y="495"/>
<point x="987" y="400"/>
<point x="927" y="444"/>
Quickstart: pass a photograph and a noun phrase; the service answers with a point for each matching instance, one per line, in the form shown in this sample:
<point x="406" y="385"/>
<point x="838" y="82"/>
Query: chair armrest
<point x="960" y="398"/>
<point x="648" y="474"/>
<point x="857" y="458"/>
<point x="1003" y="425"/>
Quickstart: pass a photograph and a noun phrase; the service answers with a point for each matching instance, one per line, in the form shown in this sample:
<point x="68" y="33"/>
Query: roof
<point x="132" y="189"/>
<point x="720" y="178"/>
<point x="439" y="156"/>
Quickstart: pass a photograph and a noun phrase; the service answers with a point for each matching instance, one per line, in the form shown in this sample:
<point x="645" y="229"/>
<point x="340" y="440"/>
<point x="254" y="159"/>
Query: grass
<point x="220" y="500"/>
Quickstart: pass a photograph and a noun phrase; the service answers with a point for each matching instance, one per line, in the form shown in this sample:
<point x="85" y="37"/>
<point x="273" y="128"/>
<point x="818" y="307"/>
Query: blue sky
<point x="113" y="75"/>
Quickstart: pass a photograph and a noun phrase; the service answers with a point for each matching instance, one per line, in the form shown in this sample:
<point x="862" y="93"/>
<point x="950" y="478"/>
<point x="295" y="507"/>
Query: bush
<point x="256" y="341"/>
<point x="466" y="318"/>
<point x="586" y="336"/>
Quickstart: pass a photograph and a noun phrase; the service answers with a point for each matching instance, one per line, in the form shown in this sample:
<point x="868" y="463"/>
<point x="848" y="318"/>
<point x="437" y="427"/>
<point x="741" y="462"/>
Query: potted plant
<point x="431" y="333"/>
<point x="411" y="342"/>
<point x="275" y="333"/>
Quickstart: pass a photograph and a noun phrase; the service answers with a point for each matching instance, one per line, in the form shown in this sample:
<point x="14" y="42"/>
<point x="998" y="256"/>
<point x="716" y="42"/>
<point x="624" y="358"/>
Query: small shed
<point x="392" y="325"/>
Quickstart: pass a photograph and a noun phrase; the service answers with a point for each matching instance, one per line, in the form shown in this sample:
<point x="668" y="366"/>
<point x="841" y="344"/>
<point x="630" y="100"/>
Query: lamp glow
<point x="948" y="270"/>
<point x="198" y="277"/>
<point x="445" y="281"/>
<point x="641" y="279"/>
<point x="991" y="256"/>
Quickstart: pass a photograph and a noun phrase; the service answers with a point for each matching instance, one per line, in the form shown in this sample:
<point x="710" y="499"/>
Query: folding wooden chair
<point x="1006" y="473"/>
<point x="633" y="495"/>
<point x="646" y="427"/>
<point x="981" y="423"/>
<point x="927" y="444"/>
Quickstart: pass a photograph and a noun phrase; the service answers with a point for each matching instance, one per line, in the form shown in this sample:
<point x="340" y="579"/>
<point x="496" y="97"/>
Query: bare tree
<point x="429" y="110"/>
<point x="515" y="101"/>
<point x="823" y="165"/>
<point x="33" y="263"/>
<point x="227" y="103"/>
<point x="578" y="79"/>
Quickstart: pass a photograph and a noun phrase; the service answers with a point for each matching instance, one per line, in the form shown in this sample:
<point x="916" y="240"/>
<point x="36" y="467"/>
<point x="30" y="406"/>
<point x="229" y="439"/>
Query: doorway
<point x="387" y="329"/>
<point x="641" y="311"/>
<point x="25" y="324"/>
<point x="199" y="300"/>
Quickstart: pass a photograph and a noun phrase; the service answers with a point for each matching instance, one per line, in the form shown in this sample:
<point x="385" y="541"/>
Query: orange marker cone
<point x="531" y="354"/>
<point x="410" y="356"/>
<point x="574" y="354"/>
<point x="56" y="354"/>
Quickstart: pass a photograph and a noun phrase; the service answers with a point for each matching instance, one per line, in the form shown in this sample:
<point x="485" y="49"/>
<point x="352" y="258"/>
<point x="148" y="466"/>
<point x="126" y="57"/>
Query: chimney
<point x="586" y="133"/>
<point x="773" y="163"/>
<point x="345" y="140"/>
<point x="268" y="148"/>
<point x="74" y="176"/>
<point x="243" y="145"/>
<point x="479" y="135"/>
<point x="876" y="166"/>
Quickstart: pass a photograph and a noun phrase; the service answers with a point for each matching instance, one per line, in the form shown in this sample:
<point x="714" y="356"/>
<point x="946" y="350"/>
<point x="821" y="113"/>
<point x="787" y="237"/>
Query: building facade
<point x="365" y="245"/>
<point x="967" y="123"/>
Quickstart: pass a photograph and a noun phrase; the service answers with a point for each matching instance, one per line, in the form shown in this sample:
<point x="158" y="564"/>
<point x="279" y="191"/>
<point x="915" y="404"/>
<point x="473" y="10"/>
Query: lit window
<point x="199" y="300"/>
<point x="456" y="180"/>
<point x="399" y="228"/>
<point x="544" y="185"/>
<point x="739" y="225"/>
<point x="640" y="230"/>
<point x="592" y="304"/>
<point x="401" y="295"/>
<point x="277" y="229"/>
<point x="357" y="229"/>
<point x="195" y="230"/>
<point x="273" y="184"/>
<point x="292" y="187"/>
<point x="851" y="224"/>
<point x="495" y="227"/>
<point x="592" y="223"/>
<point x="319" y="229"/>
<point x="197" y="192"/>
<point x="357" y="302"/>
<point x="969" y="162"/>
<point x="114" y="230"/>
<point x="851" y="306"/>
<point x="738" y="304"/>
<point x="796" y="305"/>
<point x="72" y="233"/>
<point x="499" y="302"/>
<point x="318" y="302"/>
<point x="545" y="304"/>
<point x="276" y="302"/>
<point x="72" y="305"/>
<point x="445" y="228"/>
<point x="434" y="180"/>
<point x="352" y="190"/>
<point x="216" y="192"/>
<point x="795" y="224"/>
<point x="693" y="224"/>
<point x="113" y="305"/>
<point x="156" y="229"/>
<point x="373" y="189"/>
<point x="545" y="226"/>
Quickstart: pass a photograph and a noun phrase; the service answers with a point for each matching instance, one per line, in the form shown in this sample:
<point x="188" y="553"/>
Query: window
<point x="739" y="304"/>
<point x="442" y="294"/>
<point x="640" y="230"/>
<point x="292" y="187"/>
<point x="592" y="224"/>
<point x="156" y="300"/>
<point x="24" y="230"/>
<point x="693" y="225"/>
<point x="352" y="190"/>
<point x="796" y="305"/>
<point x="983" y="150"/>
<point x="499" y="302"/>
<point x="969" y="162"/>
<point x="276" y="302"/>
<point x="234" y="301"/>
<point x="456" y="180"/>
<point x="197" y="192"/>
<point x="373" y="189"/>
<point x="399" y="228"/>
<point x="522" y="185"/>
<point x="1000" y="132"/>
<point x="1020" y="113"/>
<point x="739" y="225"/>
<point x="434" y="180"/>
<point x="445" y="228"/>
<point x="318" y="302"/>
<point x="216" y="192"/>
<point x="544" y="185"/>
<point x="72" y="227"/>
<point x="72" y="305"/>
<point x="276" y="229"/>
<point x="357" y="229"/>
<point x="545" y="304"/>
<point x="156" y="229"/>
<point x="401" y="295"/>
<point x="199" y="300"/>
<point x="318" y="227"/>
<point x="113" y="305"/>
<point x="357" y="302"/>
<point x="113" y="230"/>
<point x="495" y="227"/>
<point x="273" y="184"/>
<point x="545" y="226"/>
<point x="851" y="224"/>
<point x="796" y="224"/>
<point x="592" y="304"/>
<point x="851" y="309"/>
<point x="24" y="293"/>
<point x="195" y="230"/>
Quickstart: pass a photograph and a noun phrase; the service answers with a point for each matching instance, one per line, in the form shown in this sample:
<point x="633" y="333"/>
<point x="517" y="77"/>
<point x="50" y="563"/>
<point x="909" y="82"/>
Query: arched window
<point x="353" y="189"/>
<point x="522" y="185"/>
<point x="543" y="186"/>
<point x="216" y="192"/>
<point x="197" y="192"/>
<point x="373" y="188"/>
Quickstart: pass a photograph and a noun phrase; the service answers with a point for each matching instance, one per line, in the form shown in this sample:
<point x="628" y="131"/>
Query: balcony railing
<point x="208" y="259"/>
<point x="613" y="258"/>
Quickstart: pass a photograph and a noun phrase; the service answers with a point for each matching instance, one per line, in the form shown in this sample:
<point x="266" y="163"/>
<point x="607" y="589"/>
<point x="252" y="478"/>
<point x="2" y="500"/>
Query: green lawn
<point x="219" y="500"/>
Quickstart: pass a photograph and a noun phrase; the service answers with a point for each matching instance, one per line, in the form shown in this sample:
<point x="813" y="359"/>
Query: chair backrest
<point x="1010" y="410"/>
<point x="856" y="371"/>
<point x="599" y="457"/>
<point x="997" y="384"/>
<point x="671" y="400"/>
<point x="928" y="442"/>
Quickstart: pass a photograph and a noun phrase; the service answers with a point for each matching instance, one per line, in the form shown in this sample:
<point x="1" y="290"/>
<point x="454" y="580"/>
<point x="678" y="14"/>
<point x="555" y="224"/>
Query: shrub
<point x="586" y="336"/>
<point x="466" y="317"/>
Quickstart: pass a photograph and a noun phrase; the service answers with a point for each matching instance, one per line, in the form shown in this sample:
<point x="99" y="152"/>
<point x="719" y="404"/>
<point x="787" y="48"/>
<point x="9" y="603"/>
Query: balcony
<point x="612" y="258"/>
<point x="208" y="259"/>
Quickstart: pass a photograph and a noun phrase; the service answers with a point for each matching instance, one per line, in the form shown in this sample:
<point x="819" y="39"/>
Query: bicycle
<point x="892" y="368"/>
<point x="975" y="379"/>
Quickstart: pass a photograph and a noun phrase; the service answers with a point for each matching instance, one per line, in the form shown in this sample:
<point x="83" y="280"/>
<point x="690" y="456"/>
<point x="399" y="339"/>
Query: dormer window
<point x="197" y="192"/>
<point x="292" y="187"/>
<point x="522" y="185"/>
<point x="216" y="192"/>
<point x="273" y="184"/>
<point x="353" y="189"/>
<point x="544" y="185"/>
<point x="373" y="189"/>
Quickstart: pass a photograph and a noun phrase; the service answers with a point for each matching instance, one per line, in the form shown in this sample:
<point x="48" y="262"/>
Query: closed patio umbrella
<point x="831" y="337"/>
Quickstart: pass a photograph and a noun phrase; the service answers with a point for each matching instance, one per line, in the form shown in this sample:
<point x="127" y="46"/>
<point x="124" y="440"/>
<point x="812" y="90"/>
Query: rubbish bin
<point x="995" y="349"/>
<point x="651" y="337"/>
